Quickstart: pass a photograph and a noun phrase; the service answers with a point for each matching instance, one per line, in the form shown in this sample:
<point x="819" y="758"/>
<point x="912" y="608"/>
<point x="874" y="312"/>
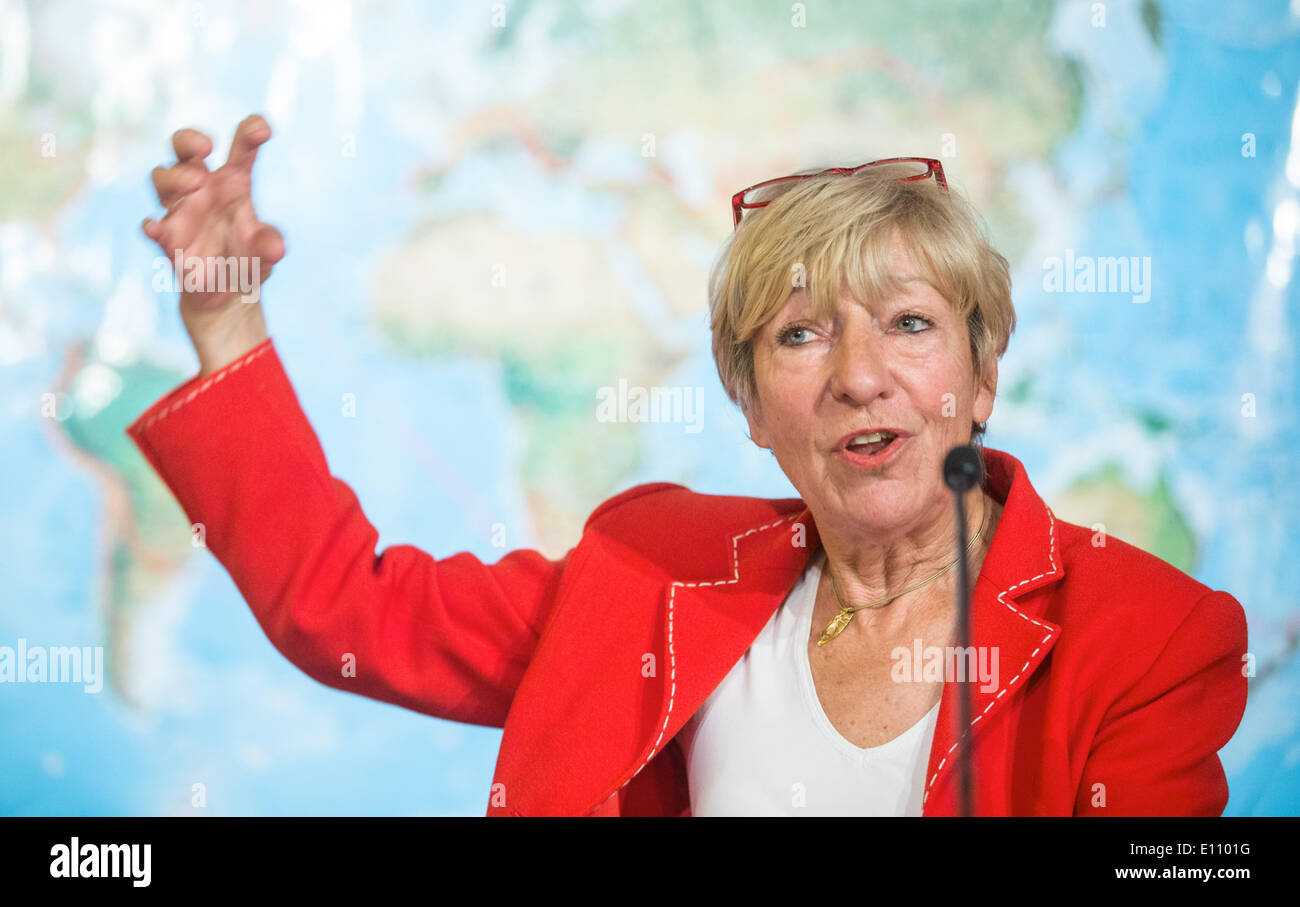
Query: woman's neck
<point x="859" y="575"/>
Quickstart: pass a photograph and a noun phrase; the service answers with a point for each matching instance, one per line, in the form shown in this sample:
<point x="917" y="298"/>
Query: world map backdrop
<point x="493" y="212"/>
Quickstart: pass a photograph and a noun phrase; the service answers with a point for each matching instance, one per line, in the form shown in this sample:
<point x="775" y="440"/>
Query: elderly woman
<point x="698" y="654"/>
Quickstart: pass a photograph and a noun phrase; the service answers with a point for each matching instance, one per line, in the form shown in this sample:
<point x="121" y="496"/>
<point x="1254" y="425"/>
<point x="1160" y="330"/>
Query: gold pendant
<point x="836" y="626"/>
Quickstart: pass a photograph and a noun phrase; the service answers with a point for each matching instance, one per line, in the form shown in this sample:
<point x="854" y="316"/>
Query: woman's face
<point x="903" y="365"/>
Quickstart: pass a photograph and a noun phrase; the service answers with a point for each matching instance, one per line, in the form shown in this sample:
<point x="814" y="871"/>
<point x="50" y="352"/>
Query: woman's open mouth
<point x="872" y="449"/>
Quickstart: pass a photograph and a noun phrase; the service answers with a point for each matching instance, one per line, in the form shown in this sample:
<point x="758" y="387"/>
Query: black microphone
<point x="963" y="469"/>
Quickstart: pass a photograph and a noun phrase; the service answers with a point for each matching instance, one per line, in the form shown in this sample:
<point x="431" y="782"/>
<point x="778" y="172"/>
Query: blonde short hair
<point x="842" y="227"/>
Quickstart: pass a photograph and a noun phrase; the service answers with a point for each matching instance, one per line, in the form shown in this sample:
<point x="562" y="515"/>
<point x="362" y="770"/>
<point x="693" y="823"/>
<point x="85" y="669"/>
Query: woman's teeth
<point x="871" y="443"/>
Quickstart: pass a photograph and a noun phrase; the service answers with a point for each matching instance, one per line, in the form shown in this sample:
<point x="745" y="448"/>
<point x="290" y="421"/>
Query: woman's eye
<point x="915" y="318"/>
<point x="783" y="338"/>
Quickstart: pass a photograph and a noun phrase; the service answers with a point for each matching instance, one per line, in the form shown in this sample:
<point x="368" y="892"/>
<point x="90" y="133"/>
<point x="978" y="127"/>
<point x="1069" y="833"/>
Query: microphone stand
<point x="963" y="469"/>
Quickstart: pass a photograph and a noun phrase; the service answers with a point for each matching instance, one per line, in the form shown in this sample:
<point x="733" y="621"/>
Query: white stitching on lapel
<point x="1051" y="555"/>
<point x="672" y="657"/>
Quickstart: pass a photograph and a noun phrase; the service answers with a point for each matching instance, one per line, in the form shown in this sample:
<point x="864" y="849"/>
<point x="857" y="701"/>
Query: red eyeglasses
<point x="925" y="167"/>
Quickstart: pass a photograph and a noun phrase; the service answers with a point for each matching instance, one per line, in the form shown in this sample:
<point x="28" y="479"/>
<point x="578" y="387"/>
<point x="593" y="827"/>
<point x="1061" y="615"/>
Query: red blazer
<point x="1120" y="676"/>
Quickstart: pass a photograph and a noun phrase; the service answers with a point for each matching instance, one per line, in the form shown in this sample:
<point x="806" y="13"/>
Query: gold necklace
<point x="841" y="620"/>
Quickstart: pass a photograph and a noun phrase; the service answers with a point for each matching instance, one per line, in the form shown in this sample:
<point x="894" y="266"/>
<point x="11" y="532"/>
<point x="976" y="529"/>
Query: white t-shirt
<point x="761" y="744"/>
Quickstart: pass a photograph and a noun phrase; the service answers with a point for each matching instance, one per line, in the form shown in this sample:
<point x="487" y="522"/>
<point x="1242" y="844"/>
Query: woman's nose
<point x="859" y="372"/>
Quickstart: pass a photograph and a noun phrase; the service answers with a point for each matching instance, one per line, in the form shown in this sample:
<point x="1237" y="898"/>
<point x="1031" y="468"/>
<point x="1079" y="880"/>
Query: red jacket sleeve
<point x="1156" y="752"/>
<point x="449" y="637"/>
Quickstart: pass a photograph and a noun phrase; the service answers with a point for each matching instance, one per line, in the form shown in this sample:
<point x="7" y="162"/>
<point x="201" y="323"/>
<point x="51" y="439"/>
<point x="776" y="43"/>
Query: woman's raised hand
<point x="211" y="225"/>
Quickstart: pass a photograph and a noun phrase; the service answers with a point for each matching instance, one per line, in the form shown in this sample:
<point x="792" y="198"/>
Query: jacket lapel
<point x="713" y="623"/>
<point x="1007" y="622"/>
<point x="588" y="715"/>
<point x="711" y="620"/>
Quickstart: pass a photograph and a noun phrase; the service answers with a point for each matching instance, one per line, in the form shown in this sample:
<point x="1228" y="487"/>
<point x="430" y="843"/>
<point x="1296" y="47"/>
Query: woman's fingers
<point x="190" y="220"/>
<point x="190" y="143"/>
<point x="173" y="182"/>
<point x="252" y="132"/>
<point x="170" y="233"/>
<point x="160" y="233"/>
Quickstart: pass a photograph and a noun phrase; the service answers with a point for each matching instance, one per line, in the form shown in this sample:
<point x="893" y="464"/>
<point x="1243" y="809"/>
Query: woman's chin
<point x="879" y="517"/>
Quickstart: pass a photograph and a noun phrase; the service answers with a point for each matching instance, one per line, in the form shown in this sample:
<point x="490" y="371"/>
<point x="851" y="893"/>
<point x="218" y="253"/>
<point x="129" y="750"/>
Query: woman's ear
<point x="757" y="430"/>
<point x="985" y="393"/>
